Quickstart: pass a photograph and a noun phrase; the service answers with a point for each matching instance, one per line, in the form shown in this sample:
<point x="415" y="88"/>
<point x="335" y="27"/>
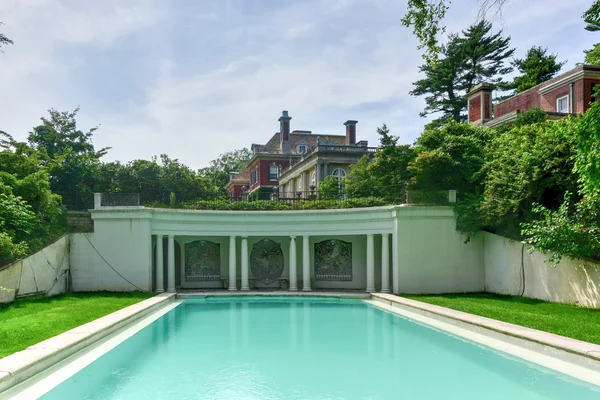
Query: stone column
<point x="160" y="268"/>
<point x="232" y="264"/>
<point x="395" y="262"/>
<point x="171" y="265"/>
<point x="305" y="264"/>
<point x="385" y="263"/>
<point x="370" y="264"/>
<point x="245" y="282"/>
<point x="293" y="270"/>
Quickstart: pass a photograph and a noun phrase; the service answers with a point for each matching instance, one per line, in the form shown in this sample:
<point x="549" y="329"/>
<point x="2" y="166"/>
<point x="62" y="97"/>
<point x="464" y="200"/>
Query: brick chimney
<point x="479" y="101"/>
<point x="350" y="131"/>
<point x="284" y="132"/>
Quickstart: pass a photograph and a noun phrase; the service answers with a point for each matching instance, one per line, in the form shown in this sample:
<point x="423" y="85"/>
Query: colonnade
<point x="293" y="268"/>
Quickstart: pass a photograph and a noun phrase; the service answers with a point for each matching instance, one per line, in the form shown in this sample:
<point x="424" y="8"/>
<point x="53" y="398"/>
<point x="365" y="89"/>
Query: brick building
<point x="292" y="163"/>
<point x="566" y="94"/>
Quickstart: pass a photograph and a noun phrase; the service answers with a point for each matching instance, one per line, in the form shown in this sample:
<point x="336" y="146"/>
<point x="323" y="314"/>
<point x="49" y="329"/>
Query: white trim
<point x="583" y="74"/>
<point x="558" y="100"/>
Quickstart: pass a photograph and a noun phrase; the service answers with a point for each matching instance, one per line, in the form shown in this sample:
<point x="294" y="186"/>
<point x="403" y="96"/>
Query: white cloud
<point x="197" y="79"/>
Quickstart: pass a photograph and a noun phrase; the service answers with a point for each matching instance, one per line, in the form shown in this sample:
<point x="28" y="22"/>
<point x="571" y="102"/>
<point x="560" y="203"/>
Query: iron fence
<point x="364" y="197"/>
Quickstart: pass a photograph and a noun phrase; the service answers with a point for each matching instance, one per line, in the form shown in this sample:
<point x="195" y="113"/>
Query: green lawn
<point x="562" y="319"/>
<point x="28" y="321"/>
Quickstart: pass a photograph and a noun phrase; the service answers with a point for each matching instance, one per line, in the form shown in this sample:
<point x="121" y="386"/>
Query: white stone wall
<point x="45" y="272"/>
<point x="125" y="243"/>
<point x="433" y="257"/>
<point x="571" y="281"/>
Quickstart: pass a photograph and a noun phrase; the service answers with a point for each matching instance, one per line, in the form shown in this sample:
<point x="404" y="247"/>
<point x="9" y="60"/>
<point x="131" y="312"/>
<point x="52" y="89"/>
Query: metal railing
<point x="332" y="149"/>
<point x="364" y="197"/>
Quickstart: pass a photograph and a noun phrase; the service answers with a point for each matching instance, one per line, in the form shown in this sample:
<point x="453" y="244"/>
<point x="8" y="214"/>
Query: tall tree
<point x="535" y="68"/>
<point x="218" y="170"/>
<point x="4" y="40"/>
<point x="67" y="152"/>
<point x="473" y="57"/>
<point x="426" y="16"/>
<point x="592" y="17"/>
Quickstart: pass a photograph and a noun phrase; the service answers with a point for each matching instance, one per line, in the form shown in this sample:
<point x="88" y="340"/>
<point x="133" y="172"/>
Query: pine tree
<point x="473" y="57"/>
<point x="535" y="68"/>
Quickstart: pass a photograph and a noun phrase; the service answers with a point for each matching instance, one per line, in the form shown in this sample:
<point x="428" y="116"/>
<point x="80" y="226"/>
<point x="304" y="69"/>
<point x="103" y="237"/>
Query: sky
<point x="194" y="79"/>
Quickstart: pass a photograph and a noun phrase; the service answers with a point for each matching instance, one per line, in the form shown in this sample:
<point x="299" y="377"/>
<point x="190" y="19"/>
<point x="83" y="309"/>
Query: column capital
<point x="244" y="237"/>
<point x="159" y="235"/>
<point x="293" y="237"/>
<point x="369" y="235"/>
<point x="385" y="235"/>
<point x="171" y="236"/>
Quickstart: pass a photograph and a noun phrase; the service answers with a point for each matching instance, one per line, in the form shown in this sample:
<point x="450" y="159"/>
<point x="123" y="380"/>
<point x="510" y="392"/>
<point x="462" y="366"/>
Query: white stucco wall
<point x="433" y="256"/>
<point x="45" y="272"/>
<point x="571" y="281"/>
<point x="125" y="243"/>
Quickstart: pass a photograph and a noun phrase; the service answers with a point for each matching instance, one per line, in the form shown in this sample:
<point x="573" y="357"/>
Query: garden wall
<point x="507" y="262"/>
<point x="44" y="272"/>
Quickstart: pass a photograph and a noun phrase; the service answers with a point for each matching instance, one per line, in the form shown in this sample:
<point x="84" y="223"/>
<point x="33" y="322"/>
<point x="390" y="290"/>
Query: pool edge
<point x="22" y="365"/>
<point x="575" y="347"/>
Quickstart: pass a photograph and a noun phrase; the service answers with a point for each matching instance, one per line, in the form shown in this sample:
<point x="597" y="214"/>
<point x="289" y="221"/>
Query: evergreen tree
<point x="535" y="68"/>
<point x="592" y="17"/>
<point x="4" y="40"/>
<point x="473" y="57"/>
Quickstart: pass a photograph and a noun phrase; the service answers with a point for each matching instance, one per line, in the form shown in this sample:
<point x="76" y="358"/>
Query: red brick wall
<point x="586" y="99"/>
<point x="548" y="100"/>
<point x="263" y="171"/>
<point x="523" y="101"/>
<point x="487" y="98"/>
<point x="475" y="109"/>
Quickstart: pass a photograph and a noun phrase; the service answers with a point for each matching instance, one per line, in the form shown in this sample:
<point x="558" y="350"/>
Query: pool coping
<point x="577" y="347"/>
<point x="22" y="365"/>
<point x="199" y="294"/>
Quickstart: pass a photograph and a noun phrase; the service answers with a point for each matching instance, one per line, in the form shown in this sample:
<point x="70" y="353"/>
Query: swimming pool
<point x="297" y="348"/>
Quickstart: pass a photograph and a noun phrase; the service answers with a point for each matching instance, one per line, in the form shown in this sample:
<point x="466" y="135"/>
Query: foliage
<point x="535" y="68"/>
<point x="448" y="158"/>
<point x="425" y="17"/>
<point x="329" y="188"/>
<point x="475" y="56"/>
<point x="30" y="213"/>
<point x="572" y="230"/>
<point x="4" y="40"/>
<point x="224" y="204"/>
<point x="385" y="174"/>
<point x="218" y="170"/>
<point x="66" y="151"/>
<point x="587" y="161"/>
<point x="592" y="17"/>
<point x="527" y="164"/>
<point x="592" y="56"/>
<point x="341" y="204"/>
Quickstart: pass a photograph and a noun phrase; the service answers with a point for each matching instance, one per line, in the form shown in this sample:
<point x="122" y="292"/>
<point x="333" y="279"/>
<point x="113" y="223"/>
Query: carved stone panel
<point x="202" y="261"/>
<point x="333" y="260"/>
<point x="266" y="261"/>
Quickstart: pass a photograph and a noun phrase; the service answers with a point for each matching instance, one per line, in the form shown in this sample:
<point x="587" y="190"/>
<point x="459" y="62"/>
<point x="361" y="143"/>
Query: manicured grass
<point x="28" y="321"/>
<point x="562" y="319"/>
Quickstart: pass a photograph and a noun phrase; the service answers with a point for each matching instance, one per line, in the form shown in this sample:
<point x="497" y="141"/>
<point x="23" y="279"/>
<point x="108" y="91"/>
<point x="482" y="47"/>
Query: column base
<point x="232" y="289"/>
<point x="369" y="290"/>
<point x="160" y="291"/>
<point x="293" y="289"/>
<point x="385" y="291"/>
<point x="245" y="289"/>
<point x="171" y="290"/>
<point x="307" y="290"/>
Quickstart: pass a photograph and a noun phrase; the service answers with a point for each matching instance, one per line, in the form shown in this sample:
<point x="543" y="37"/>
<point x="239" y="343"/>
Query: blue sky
<point x="194" y="79"/>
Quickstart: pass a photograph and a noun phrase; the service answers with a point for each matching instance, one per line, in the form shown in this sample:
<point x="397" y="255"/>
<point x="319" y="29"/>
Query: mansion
<point x="292" y="163"/>
<point x="566" y="94"/>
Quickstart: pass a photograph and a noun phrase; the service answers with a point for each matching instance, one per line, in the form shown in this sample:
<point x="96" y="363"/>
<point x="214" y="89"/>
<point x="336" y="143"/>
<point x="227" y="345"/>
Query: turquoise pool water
<point x="278" y="349"/>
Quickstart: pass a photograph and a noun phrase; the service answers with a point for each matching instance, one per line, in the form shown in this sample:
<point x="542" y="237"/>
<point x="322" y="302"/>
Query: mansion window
<point x="274" y="171"/>
<point x="562" y="104"/>
<point x="302" y="149"/>
<point x="254" y="177"/>
<point x="313" y="179"/>
<point x="339" y="174"/>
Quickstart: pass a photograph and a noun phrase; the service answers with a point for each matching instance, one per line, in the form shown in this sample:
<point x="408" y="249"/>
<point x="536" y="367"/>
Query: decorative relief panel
<point x="202" y="261"/>
<point x="266" y="261"/>
<point x="333" y="260"/>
